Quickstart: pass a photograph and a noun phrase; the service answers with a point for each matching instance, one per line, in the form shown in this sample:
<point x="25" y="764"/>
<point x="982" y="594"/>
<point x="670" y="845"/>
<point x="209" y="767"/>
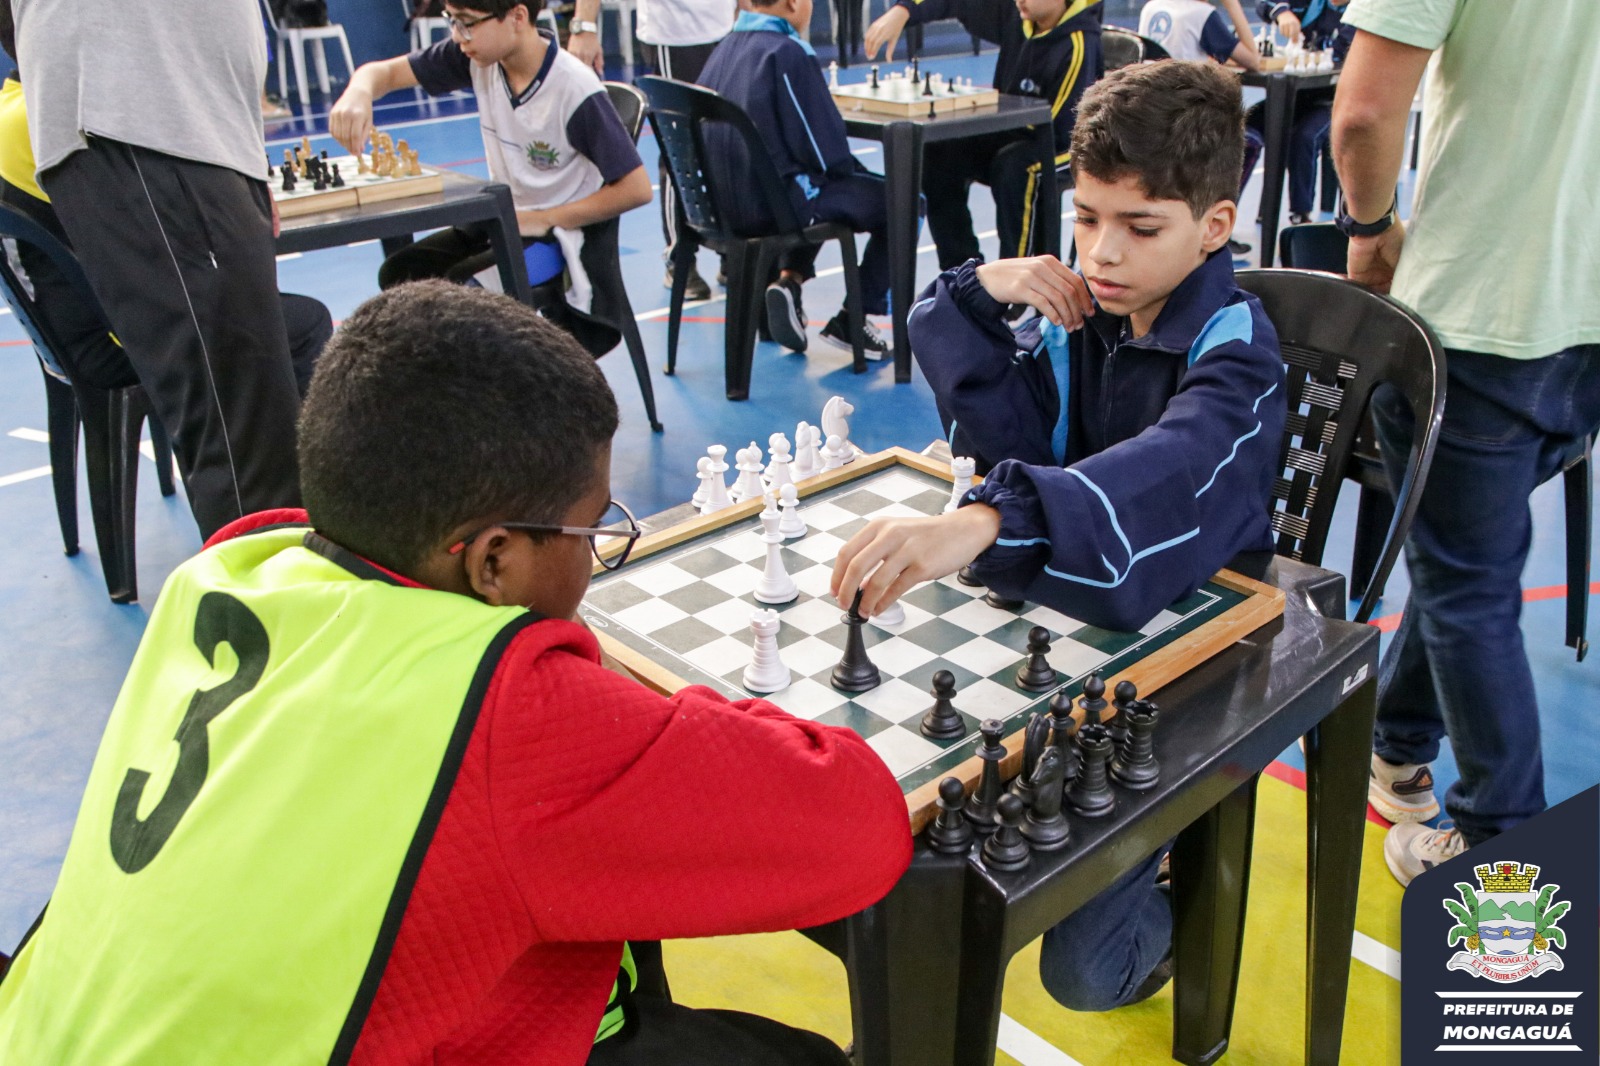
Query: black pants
<point x="661" y="1033"/>
<point x="453" y="254"/>
<point x="857" y="201"/>
<point x="681" y="62"/>
<point x="181" y="256"/>
<point x="1003" y="162"/>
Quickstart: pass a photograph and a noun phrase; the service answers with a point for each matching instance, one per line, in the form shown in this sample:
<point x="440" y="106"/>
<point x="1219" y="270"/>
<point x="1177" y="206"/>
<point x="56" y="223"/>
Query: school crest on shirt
<point x="543" y="156"/>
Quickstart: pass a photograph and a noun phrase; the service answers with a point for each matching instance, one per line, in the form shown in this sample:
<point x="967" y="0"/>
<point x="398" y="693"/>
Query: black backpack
<point x="300" y="14"/>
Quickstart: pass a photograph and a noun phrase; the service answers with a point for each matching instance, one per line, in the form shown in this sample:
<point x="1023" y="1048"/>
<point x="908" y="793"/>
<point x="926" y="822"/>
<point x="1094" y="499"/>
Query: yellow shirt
<point x="16" y="153"/>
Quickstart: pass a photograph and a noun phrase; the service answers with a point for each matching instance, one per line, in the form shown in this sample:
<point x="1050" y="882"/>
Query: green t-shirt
<point x="1503" y="251"/>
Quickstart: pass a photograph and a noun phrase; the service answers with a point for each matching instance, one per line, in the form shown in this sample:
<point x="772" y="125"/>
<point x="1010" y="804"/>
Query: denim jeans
<point x="1457" y="666"/>
<point x="1096" y="958"/>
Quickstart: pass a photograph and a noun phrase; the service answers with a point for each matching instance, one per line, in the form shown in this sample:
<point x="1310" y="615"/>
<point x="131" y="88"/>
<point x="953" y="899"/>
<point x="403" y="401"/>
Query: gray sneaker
<point x="1411" y="849"/>
<point x="1401" y="793"/>
<point x="695" y="289"/>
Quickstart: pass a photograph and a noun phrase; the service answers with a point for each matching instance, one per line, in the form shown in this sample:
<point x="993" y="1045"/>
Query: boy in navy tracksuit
<point x="1130" y="441"/>
<point x="767" y="67"/>
<point x="1049" y="49"/>
<point x="1318" y="24"/>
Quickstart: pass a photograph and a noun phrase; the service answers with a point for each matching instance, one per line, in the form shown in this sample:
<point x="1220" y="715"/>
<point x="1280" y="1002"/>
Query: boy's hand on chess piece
<point x="1044" y="283"/>
<point x="1371" y="260"/>
<point x="350" y="121"/>
<point x="890" y="555"/>
<point x="885" y="31"/>
<point x="1289" y="25"/>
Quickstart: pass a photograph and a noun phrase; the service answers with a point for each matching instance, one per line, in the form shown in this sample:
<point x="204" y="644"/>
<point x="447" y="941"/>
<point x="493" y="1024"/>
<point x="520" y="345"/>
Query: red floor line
<point x="1390" y="622"/>
<point x="1290" y="776"/>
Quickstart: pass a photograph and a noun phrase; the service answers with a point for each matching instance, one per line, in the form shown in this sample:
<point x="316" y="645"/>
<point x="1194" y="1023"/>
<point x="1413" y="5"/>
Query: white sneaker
<point x="1402" y="793"/>
<point x="1409" y="848"/>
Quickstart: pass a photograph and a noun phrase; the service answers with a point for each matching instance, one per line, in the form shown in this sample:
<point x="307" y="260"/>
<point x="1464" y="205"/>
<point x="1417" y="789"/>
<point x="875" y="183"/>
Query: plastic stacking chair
<point x="1123" y="48"/>
<point x="111" y="421"/>
<point x="294" y="40"/>
<point x="602" y="261"/>
<point x="679" y="113"/>
<point x="1340" y="343"/>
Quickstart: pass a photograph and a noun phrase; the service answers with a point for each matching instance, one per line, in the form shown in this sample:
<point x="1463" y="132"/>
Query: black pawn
<point x="1091" y="794"/>
<point x="1125" y="693"/>
<point x="324" y="155"/>
<point x="1035" y="740"/>
<point x="319" y="181"/>
<point x="1064" y="733"/>
<point x="1135" y="765"/>
<point x="1046" y="826"/>
<point x="1007" y="849"/>
<point x="1037" y="675"/>
<point x="964" y="575"/>
<point x="950" y="833"/>
<point x="943" y="722"/>
<point x="981" y="804"/>
<point x="994" y="599"/>
<point x="1093" y="700"/>
<point x="855" y="672"/>
<point x="933" y="112"/>
<point x="874" y="77"/>
<point x="916" y="68"/>
<point x="927" y="84"/>
<point x="338" y="182"/>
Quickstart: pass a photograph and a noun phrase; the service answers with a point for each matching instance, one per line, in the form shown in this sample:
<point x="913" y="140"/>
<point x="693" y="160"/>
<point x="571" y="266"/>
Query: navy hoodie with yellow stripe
<point x="1126" y="470"/>
<point x="1056" y="66"/>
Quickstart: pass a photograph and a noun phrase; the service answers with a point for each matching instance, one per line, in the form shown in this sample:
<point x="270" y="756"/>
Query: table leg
<point x="902" y="169"/>
<point x="1278" y="121"/>
<point x="506" y="241"/>
<point x="983" y="977"/>
<point x="1210" y="882"/>
<point x="1337" y="755"/>
<point x="1049" y="194"/>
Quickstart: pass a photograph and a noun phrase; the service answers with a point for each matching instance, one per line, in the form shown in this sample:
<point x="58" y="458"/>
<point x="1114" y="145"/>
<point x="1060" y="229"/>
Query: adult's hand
<point x="586" y="48"/>
<point x="1371" y="260"/>
<point x="885" y="31"/>
<point x="1044" y="283"/>
<point x="890" y="555"/>
<point x="350" y="121"/>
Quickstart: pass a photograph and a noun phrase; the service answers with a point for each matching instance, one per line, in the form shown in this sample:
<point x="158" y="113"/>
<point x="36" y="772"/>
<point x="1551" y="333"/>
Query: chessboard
<point x="360" y="187"/>
<point x="906" y="94"/>
<point x="679" y="613"/>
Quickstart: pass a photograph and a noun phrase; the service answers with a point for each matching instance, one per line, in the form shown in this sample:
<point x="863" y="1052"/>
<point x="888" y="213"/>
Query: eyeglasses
<point x="618" y="528"/>
<point x="465" y="26"/>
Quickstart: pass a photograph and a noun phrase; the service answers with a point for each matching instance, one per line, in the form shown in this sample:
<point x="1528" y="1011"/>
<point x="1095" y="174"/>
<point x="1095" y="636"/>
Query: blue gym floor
<point x="66" y="646"/>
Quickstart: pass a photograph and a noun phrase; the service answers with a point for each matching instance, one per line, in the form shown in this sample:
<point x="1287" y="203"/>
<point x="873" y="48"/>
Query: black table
<point x="902" y="140"/>
<point x="465" y="202"/>
<point x="1278" y="120"/>
<point x="927" y="963"/>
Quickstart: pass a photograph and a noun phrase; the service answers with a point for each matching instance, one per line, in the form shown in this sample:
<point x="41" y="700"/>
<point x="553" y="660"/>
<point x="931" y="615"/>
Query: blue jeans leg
<point x="1457" y="665"/>
<point x="1096" y="958"/>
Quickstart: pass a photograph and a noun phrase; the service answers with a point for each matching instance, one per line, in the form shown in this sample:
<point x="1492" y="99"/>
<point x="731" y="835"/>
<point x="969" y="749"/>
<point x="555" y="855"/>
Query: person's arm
<point x="1370" y="111"/>
<point x="984" y="19"/>
<point x="1236" y="18"/>
<point x="1245" y="55"/>
<point x="350" y="121"/>
<point x="809" y="121"/>
<point x="622" y="814"/>
<point x="586" y="45"/>
<point x="609" y="201"/>
<point x="1217" y="40"/>
<point x="1282" y="15"/>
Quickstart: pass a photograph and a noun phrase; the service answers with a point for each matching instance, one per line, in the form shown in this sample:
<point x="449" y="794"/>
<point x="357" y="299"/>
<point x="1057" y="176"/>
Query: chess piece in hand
<point x="890" y="555"/>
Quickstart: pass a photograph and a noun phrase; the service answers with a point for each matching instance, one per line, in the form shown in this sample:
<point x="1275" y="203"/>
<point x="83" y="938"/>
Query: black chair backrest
<point x="1123" y="48"/>
<point x="1314" y="246"/>
<point x="679" y="114"/>
<point x="18" y="227"/>
<point x="630" y="105"/>
<point x="1341" y="342"/>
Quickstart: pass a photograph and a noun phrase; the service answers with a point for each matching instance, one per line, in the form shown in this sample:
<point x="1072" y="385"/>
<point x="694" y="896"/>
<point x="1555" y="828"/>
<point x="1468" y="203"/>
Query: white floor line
<point x="286" y="256"/>
<point x="1028" y="1047"/>
<point x="38" y="436"/>
<point x="385" y="126"/>
<point x="1380" y="957"/>
<point x="25" y="475"/>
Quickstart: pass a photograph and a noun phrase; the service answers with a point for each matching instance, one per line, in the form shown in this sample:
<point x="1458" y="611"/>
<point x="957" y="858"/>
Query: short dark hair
<point x="501" y="8"/>
<point x="437" y="405"/>
<point x="1176" y="125"/>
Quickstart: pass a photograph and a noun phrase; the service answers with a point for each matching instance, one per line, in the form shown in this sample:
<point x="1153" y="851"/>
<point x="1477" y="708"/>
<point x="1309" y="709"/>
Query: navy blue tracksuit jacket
<point x="1126" y="472"/>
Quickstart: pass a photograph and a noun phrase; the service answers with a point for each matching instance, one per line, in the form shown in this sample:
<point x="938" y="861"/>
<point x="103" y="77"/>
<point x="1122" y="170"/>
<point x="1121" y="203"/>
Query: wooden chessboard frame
<point x="1262" y="604"/>
<point x="429" y="181"/>
<point x="917" y="106"/>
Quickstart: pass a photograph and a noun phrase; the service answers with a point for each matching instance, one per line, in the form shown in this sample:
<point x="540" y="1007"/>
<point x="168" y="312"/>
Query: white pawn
<point x="806" y="463"/>
<point x="833" y="453"/>
<point x="892" y="615"/>
<point x="1325" y="61"/>
<point x="766" y="672"/>
<point x="778" y="473"/>
<point x="749" y="486"/>
<point x="833" y="75"/>
<point x="791" y="525"/>
<point x="717" y="491"/>
<point x="775" y="586"/>
<point x="963" y="468"/>
<point x="704" y="473"/>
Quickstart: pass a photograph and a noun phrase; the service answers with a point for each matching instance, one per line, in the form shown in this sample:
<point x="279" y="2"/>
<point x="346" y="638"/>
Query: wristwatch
<point x="585" y="26"/>
<point x="1351" y="228"/>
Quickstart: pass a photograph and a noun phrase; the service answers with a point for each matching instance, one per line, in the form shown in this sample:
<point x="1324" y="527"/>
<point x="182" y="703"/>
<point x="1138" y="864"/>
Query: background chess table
<point x="679" y="613"/>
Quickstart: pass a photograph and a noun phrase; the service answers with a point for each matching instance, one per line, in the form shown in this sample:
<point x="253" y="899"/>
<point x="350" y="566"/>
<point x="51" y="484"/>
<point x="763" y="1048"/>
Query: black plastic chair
<point x="111" y="420"/>
<point x="679" y="114"/>
<point x="1320" y="246"/>
<point x="1123" y="48"/>
<point x="1340" y="343"/>
<point x="602" y="263"/>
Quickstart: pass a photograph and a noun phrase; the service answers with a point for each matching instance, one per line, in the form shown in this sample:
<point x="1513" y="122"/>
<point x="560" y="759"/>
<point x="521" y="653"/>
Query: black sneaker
<point x="1238" y="247"/>
<point x="696" y="289"/>
<point x="786" y="318"/>
<point x="873" y="344"/>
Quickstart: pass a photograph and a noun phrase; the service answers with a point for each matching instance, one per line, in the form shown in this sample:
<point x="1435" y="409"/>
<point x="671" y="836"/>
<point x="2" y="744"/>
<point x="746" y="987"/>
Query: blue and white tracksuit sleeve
<point x="810" y="121"/>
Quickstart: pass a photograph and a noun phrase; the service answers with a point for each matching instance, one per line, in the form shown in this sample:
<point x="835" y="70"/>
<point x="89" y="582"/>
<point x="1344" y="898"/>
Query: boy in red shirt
<point x="368" y="794"/>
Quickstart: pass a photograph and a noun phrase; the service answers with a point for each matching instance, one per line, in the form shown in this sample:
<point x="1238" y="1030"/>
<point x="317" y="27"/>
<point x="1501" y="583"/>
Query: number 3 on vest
<point x="220" y="619"/>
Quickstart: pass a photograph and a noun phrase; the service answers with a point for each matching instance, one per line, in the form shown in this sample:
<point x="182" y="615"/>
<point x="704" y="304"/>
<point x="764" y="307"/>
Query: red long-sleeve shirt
<point x="588" y="810"/>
